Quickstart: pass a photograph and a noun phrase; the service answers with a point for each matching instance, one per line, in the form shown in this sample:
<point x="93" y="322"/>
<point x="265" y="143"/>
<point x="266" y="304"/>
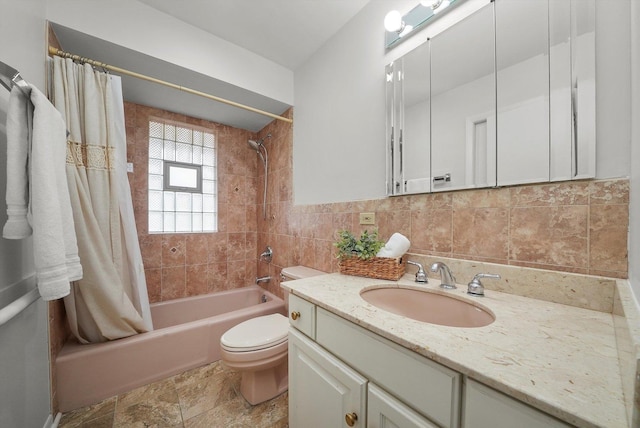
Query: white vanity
<point x="539" y="364"/>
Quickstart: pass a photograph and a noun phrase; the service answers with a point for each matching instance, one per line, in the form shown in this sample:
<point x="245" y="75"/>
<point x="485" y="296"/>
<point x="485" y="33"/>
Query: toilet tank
<point x="296" y="272"/>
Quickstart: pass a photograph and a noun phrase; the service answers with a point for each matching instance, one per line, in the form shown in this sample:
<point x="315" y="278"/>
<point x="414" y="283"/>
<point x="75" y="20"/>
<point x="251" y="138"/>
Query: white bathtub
<point x="187" y="335"/>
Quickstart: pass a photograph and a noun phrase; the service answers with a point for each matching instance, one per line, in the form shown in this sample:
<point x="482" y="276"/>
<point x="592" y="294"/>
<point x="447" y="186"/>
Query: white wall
<point x="24" y="350"/>
<point x="339" y="131"/>
<point x="634" y="203"/>
<point x="613" y="92"/>
<point x="141" y="28"/>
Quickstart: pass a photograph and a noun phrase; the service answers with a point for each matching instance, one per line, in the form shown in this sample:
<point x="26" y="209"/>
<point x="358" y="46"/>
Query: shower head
<point x="255" y="145"/>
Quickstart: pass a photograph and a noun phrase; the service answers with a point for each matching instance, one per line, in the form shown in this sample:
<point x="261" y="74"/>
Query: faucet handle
<point x="421" y="275"/>
<point x="475" y="287"/>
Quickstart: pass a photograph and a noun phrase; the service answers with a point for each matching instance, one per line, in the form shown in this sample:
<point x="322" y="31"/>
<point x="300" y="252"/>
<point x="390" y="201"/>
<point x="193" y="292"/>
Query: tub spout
<point x="263" y="279"/>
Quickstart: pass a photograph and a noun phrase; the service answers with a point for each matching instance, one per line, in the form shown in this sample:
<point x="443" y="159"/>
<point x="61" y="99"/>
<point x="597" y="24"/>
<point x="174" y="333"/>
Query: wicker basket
<point x="376" y="267"/>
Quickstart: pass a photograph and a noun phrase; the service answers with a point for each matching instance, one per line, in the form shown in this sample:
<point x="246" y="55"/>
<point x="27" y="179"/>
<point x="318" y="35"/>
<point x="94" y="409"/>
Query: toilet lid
<point x="256" y="333"/>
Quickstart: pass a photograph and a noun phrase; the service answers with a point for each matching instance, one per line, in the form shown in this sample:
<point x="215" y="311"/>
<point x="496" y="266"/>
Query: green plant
<point x="364" y="248"/>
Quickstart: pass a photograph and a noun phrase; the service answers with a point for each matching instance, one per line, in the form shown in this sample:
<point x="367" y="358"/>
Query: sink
<point x="428" y="306"/>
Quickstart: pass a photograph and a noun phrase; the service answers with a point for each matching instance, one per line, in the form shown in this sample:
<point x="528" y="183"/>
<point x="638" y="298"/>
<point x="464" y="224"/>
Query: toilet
<point x="257" y="348"/>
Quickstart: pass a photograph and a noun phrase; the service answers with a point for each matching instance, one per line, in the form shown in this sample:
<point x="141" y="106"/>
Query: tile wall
<point x="578" y="227"/>
<point x="178" y="264"/>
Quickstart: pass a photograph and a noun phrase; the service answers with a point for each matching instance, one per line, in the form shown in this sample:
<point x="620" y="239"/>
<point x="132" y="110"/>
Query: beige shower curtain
<point x="110" y="301"/>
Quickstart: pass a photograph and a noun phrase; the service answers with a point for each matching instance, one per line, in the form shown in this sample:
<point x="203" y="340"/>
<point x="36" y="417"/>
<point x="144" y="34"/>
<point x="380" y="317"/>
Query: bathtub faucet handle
<point x="267" y="254"/>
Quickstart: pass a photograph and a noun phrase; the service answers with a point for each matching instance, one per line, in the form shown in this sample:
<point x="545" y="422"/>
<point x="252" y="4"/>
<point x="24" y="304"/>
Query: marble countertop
<point x="560" y="359"/>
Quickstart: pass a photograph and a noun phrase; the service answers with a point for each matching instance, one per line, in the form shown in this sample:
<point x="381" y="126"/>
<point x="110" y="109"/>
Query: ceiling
<point x="287" y="32"/>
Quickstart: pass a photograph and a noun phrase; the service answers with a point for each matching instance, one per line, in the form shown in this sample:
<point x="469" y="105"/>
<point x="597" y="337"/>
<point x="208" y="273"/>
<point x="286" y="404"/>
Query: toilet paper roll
<point x="396" y="246"/>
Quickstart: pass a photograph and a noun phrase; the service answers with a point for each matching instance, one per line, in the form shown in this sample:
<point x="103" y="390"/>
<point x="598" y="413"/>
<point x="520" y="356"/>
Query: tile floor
<point x="205" y="397"/>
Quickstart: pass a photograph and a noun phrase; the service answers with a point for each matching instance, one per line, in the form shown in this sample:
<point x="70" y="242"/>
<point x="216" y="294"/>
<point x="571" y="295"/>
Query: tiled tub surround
<point x="188" y="264"/>
<point x="561" y="359"/>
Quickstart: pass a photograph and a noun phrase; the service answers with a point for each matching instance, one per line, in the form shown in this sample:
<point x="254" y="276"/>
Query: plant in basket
<point x="364" y="248"/>
<point x="359" y="257"/>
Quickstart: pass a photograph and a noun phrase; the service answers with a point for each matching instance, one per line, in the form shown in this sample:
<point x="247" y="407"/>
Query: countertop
<point x="560" y="359"/>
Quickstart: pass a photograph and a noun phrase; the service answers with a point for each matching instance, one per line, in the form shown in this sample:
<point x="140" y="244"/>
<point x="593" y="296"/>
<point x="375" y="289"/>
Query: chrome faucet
<point x="447" y="280"/>
<point x="475" y="287"/>
<point x="421" y="275"/>
<point x="263" y="279"/>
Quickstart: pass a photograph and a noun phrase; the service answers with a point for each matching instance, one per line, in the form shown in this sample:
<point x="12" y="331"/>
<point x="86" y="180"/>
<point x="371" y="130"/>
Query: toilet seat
<point x="255" y="334"/>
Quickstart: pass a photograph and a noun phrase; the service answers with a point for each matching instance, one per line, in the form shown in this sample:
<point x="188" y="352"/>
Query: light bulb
<point x="441" y="6"/>
<point x="393" y="21"/>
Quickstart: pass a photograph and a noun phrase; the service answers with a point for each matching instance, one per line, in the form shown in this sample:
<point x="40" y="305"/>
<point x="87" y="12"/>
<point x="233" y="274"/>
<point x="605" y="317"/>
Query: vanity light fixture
<point x="399" y="26"/>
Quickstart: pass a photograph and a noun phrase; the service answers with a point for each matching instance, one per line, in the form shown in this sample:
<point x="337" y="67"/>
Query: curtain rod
<point x="58" y="52"/>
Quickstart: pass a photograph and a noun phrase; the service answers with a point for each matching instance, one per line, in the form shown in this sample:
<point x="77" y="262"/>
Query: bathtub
<point x="186" y="335"/>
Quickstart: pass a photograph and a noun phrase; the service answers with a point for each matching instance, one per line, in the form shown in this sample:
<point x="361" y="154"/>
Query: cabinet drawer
<point x="485" y="407"/>
<point x="304" y="314"/>
<point x="426" y="386"/>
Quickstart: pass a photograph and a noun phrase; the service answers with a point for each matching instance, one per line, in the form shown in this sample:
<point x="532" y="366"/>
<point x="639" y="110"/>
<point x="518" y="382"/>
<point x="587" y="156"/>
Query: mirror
<point x="522" y="62"/>
<point x="560" y="116"/>
<point x="510" y="100"/>
<point x="463" y="104"/>
<point x="583" y="88"/>
<point x="412" y="143"/>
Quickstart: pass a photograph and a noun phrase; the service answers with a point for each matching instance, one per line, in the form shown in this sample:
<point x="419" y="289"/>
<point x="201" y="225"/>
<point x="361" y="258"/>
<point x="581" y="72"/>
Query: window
<point x="182" y="179"/>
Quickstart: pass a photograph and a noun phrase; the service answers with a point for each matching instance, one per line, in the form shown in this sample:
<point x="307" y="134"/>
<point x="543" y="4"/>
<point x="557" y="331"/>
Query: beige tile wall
<point x="179" y="265"/>
<point x="578" y="227"/>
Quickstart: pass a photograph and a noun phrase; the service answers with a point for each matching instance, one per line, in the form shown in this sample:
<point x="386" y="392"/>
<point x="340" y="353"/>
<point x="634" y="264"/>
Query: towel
<point x="396" y="246"/>
<point x="18" y="139"/>
<point x="41" y="193"/>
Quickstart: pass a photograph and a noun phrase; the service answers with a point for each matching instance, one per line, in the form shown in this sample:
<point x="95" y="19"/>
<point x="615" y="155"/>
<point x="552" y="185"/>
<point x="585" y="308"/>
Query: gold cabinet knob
<point x="295" y="315"/>
<point x="351" y="418"/>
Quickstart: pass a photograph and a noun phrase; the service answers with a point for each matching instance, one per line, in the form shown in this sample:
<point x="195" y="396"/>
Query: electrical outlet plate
<point x="367" y="218"/>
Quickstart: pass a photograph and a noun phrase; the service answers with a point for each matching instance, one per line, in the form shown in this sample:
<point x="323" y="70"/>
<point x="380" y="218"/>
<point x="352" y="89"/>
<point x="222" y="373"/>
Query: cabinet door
<point x="322" y="389"/>
<point x="485" y="407"/>
<point x="430" y="388"/>
<point x="385" y="411"/>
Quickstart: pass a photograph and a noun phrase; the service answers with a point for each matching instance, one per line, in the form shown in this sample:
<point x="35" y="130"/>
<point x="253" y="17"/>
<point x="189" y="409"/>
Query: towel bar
<point x="18" y="305"/>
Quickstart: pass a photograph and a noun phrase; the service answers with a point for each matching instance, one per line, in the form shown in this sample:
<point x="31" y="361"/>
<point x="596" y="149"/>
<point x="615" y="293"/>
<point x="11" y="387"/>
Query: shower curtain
<point x="110" y="301"/>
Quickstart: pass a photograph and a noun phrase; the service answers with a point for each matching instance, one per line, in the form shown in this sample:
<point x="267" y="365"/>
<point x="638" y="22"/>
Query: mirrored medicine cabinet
<point x="505" y="96"/>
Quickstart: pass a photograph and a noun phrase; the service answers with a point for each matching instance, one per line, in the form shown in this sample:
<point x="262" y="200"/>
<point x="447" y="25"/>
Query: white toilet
<point x="257" y="348"/>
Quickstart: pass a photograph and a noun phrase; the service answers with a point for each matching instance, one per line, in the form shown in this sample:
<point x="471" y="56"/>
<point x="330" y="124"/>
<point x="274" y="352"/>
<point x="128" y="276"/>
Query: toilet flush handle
<point x="295" y="315"/>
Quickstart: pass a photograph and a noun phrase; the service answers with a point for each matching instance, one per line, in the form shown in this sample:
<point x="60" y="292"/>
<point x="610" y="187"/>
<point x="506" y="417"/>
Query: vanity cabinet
<point x="486" y="407"/>
<point x="341" y="374"/>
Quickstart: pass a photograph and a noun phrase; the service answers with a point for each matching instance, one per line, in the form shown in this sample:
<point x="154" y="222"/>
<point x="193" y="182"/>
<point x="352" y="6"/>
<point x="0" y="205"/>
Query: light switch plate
<point x="367" y="218"/>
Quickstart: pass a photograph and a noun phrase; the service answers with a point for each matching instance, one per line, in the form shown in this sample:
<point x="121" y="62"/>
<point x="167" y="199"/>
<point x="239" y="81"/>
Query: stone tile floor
<point x="205" y="397"/>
